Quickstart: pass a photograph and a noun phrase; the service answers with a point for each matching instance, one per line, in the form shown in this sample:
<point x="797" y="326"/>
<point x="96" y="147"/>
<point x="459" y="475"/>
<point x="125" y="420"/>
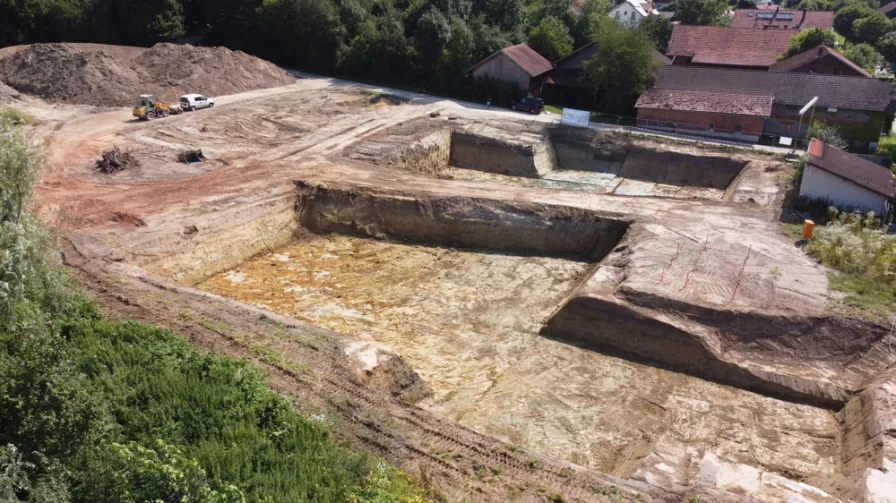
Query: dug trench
<point x="461" y="288"/>
<point x="559" y="157"/>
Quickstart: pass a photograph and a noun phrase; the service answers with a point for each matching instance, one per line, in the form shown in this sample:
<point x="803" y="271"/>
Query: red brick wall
<point x="749" y="124"/>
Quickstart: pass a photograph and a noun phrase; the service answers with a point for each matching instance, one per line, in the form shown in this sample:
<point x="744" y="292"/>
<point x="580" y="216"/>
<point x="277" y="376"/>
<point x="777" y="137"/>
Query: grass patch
<point x="155" y="404"/>
<point x="15" y="117"/>
<point x="554" y="109"/>
<point x="886" y="146"/>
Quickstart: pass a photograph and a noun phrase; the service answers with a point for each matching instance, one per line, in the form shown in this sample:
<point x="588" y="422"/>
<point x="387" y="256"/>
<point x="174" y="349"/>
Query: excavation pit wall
<point x="496" y="226"/>
<point x="502" y="157"/>
<point x="561" y="157"/>
<point x="583" y="149"/>
<point x="461" y="287"/>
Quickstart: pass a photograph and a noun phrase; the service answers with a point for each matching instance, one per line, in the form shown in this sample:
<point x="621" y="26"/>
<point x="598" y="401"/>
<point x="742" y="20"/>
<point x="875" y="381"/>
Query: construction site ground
<point x="502" y="336"/>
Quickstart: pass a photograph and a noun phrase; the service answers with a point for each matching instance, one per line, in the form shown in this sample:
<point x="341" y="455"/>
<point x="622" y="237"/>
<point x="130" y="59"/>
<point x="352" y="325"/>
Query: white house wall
<point x="820" y="184"/>
<point x="624" y="12"/>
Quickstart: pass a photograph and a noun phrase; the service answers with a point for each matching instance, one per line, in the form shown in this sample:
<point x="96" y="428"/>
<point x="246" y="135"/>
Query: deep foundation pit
<point x="461" y="288"/>
<point x="560" y="157"/>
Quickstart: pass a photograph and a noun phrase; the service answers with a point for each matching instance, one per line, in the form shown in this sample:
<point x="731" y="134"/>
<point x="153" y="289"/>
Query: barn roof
<point x="525" y="57"/>
<point x="782" y="18"/>
<point x="837" y="91"/>
<point x="804" y="58"/>
<point x="721" y="45"/>
<point x="862" y="172"/>
<point x="701" y="101"/>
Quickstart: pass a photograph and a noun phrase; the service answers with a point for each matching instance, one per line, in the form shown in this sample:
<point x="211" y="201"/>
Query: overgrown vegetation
<point x="14" y="117"/>
<point x="623" y="65"/>
<point x="826" y="133"/>
<point x="864" y="256"/>
<point x="99" y="411"/>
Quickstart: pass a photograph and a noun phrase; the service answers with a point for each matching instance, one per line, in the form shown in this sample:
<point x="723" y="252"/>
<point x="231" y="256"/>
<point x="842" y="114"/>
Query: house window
<point x="633" y="15"/>
<point x="737" y="129"/>
<point x="838" y="71"/>
<point x="711" y="125"/>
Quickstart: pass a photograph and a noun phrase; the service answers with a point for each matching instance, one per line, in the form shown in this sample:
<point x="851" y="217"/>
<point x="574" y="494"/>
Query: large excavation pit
<point x="423" y="279"/>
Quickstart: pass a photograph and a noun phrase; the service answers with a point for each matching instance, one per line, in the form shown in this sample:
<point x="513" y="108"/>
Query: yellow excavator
<point x="148" y="108"/>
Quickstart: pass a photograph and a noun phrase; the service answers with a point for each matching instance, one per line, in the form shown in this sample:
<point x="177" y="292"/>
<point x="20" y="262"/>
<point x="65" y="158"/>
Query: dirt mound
<point x="115" y="160"/>
<point x="8" y="94"/>
<point x="213" y="71"/>
<point x="96" y="76"/>
<point x="56" y="72"/>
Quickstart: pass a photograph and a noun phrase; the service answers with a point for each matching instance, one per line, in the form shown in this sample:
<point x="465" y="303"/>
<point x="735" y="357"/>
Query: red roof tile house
<point x="745" y="104"/>
<point x="846" y="180"/>
<point x="820" y="60"/>
<point x="780" y="19"/>
<point x="519" y="65"/>
<point x="722" y="46"/>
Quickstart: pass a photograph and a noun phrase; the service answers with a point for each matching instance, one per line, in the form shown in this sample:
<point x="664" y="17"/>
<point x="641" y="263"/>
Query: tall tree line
<point x="428" y="43"/>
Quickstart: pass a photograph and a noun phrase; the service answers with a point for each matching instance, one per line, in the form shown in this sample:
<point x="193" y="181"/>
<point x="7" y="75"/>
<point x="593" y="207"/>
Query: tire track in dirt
<point x="455" y="459"/>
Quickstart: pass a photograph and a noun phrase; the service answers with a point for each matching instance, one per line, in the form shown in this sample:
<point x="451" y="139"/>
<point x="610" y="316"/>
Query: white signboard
<point x="572" y="117"/>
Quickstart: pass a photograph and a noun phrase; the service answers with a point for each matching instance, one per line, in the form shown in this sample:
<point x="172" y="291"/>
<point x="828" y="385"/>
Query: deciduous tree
<point x="551" y="38"/>
<point x="870" y="29"/>
<point x="623" y="65"/>
<point x="887" y="46"/>
<point x="702" y="12"/>
<point x="811" y="38"/>
<point x="845" y="18"/>
<point x="658" y="29"/>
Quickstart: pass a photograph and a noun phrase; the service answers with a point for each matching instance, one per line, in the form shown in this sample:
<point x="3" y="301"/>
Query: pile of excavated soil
<point x="106" y="77"/>
<point x="8" y="94"/>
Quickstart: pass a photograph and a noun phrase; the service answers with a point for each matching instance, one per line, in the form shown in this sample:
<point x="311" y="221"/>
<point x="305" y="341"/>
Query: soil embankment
<point x="587" y="150"/>
<point x="96" y="75"/>
<point x="463" y="223"/>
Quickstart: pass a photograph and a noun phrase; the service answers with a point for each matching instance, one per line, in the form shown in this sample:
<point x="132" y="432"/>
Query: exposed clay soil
<point x="95" y="76"/>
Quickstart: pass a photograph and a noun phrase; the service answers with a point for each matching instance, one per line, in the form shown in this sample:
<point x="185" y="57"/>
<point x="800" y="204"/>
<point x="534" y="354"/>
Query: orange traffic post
<point x="808" y="228"/>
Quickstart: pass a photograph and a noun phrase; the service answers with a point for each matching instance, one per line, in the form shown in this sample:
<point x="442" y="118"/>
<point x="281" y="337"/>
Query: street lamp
<point x="803" y="111"/>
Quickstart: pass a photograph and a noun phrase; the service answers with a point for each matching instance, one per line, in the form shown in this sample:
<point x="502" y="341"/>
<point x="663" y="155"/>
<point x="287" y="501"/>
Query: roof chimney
<point x="816" y="148"/>
<point x="820" y="50"/>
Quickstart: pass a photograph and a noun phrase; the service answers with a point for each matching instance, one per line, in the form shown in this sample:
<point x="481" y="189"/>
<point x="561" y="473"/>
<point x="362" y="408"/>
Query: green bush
<point x="14" y="117"/>
<point x="865" y="257"/>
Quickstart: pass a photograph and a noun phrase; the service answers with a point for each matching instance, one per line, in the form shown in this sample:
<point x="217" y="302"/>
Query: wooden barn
<point x="518" y="64"/>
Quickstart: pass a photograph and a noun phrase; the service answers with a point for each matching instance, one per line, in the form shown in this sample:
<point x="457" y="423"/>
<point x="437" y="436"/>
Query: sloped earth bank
<point x="96" y="75"/>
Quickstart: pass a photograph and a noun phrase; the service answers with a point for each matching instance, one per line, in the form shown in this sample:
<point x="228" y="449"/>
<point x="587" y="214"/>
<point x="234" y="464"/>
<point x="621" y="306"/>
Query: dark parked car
<point x="531" y="105"/>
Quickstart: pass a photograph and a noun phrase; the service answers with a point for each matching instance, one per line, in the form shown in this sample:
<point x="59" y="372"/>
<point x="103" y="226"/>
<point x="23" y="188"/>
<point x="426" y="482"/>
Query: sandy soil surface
<point x="468" y="322"/>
